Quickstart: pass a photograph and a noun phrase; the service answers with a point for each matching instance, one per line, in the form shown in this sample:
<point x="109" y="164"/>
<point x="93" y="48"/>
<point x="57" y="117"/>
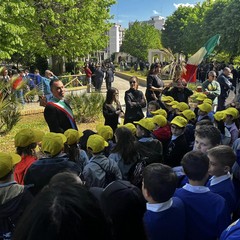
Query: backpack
<point x="109" y="175"/>
<point x="135" y="174"/>
<point x="146" y="155"/>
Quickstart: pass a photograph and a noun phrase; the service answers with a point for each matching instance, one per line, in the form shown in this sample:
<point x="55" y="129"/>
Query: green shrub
<point x="9" y="109"/>
<point x="87" y="107"/>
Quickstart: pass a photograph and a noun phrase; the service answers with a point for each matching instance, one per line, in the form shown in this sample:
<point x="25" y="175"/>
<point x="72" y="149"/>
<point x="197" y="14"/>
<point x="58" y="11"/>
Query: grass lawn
<point x="35" y="121"/>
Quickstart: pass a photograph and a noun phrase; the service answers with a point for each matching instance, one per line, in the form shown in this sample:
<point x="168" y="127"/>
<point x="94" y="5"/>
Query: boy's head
<point x="221" y="160"/>
<point x="178" y="125"/>
<point x="206" y="137"/>
<point x="72" y="136"/>
<point x="195" y="165"/>
<point x="7" y="163"/>
<point x="144" y="127"/>
<point x="204" y="109"/>
<point x="105" y="131"/>
<point x="153" y="106"/>
<point x="159" y="183"/>
<point x="203" y="123"/>
<point x="53" y="143"/>
<point x="96" y="144"/>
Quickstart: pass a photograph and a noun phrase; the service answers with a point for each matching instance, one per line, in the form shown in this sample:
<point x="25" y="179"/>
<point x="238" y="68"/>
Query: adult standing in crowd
<point x="109" y="77"/>
<point x="98" y="77"/>
<point x="154" y="83"/>
<point x="112" y="109"/>
<point x="226" y="86"/>
<point x="178" y="90"/>
<point x="134" y="101"/>
<point x="57" y="113"/>
<point x="212" y="88"/>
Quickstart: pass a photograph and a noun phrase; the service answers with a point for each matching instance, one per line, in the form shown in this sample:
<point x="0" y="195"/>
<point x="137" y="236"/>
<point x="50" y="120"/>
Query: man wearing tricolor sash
<point x="57" y="113"/>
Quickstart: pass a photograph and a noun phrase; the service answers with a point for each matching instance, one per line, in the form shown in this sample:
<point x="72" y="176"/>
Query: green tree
<point x="139" y="38"/>
<point x="58" y="28"/>
<point x="174" y="27"/>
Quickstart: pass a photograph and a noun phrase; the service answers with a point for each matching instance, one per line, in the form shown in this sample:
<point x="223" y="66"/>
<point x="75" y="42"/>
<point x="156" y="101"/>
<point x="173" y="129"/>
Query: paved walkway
<point x="119" y="83"/>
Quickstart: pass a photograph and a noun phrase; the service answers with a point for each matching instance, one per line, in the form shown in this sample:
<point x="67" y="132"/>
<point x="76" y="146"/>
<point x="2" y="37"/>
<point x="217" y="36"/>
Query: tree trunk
<point x="57" y="65"/>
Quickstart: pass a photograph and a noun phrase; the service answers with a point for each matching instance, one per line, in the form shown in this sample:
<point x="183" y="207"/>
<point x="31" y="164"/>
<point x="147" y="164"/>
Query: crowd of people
<point x="172" y="173"/>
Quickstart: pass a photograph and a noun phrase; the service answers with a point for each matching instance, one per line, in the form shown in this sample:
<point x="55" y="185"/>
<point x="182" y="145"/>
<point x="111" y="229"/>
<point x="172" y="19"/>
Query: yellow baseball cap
<point x="146" y="123"/>
<point x="160" y="112"/>
<point x="160" y="120"/>
<point x="72" y="136"/>
<point x="207" y="100"/>
<point x="105" y="131"/>
<point x="27" y="136"/>
<point x="205" y="107"/>
<point x="232" y="111"/>
<point x="7" y="162"/>
<point x="188" y="114"/>
<point x="53" y="143"/>
<point x="131" y="127"/>
<point x="201" y="97"/>
<point x="179" y="121"/>
<point x="182" y="106"/>
<point x="220" y="115"/>
<point x="172" y="103"/>
<point x="167" y="98"/>
<point x="96" y="143"/>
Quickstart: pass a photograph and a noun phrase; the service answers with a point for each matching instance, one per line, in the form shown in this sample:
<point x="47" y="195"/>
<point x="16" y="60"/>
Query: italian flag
<point x="197" y="58"/>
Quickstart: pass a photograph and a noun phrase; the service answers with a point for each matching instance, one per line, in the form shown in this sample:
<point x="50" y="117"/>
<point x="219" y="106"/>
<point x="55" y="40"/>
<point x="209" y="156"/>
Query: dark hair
<point x="195" y="165"/>
<point x="63" y="211"/>
<point x="209" y="132"/>
<point x="160" y="181"/>
<point x="72" y="151"/>
<point x="53" y="81"/>
<point x="223" y="154"/>
<point x="83" y="140"/>
<point x="110" y="95"/>
<point x="125" y="145"/>
<point x="153" y="67"/>
<point x="147" y="133"/>
<point x="124" y="204"/>
<point x="28" y="150"/>
<point x="154" y="103"/>
<point x="204" y="122"/>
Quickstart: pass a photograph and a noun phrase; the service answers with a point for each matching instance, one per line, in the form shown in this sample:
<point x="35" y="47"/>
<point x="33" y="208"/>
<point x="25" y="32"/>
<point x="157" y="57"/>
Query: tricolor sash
<point x="61" y="105"/>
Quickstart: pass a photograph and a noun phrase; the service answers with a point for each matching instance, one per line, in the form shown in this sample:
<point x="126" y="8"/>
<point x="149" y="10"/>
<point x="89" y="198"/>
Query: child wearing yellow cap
<point x="72" y="148"/>
<point x="26" y="141"/>
<point x="14" y="198"/>
<point x="231" y="122"/>
<point x="178" y="146"/>
<point x="40" y="172"/>
<point x="100" y="170"/>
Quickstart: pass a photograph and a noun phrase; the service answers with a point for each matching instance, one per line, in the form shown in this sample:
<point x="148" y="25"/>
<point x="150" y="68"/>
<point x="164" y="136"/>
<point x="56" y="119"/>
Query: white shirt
<point x="215" y="180"/>
<point x="159" y="207"/>
<point x="196" y="189"/>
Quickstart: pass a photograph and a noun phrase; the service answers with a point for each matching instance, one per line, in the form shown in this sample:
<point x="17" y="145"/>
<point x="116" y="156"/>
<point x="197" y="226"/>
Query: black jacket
<point x="134" y="101"/>
<point x="56" y="119"/>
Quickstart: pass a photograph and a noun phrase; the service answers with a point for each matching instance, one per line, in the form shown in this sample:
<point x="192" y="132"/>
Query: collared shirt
<point x="159" y="207"/>
<point x="146" y="139"/>
<point x="196" y="189"/>
<point x="7" y="184"/>
<point x="215" y="180"/>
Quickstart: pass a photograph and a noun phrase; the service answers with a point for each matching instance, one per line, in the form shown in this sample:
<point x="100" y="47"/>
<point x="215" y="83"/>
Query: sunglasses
<point x="131" y="82"/>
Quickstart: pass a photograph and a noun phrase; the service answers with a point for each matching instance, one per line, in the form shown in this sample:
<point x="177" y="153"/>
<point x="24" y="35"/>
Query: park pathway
<point x="119" y="83"/>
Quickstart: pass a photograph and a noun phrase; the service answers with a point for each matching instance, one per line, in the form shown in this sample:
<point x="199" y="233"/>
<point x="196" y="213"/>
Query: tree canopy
<point x="187" y="29"/>
<point x="66" y="28"/>
<point x="139" y="38"/>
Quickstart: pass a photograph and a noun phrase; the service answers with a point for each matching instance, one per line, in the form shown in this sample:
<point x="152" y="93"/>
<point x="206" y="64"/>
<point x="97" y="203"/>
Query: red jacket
<point x="22" y="167"/>
<point x="88" y="72"/>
